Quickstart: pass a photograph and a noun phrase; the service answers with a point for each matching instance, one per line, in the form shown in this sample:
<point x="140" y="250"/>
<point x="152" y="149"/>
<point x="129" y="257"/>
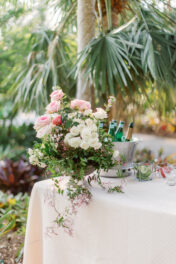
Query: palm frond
<point x="47" y="65"/>
<point x="125" y="59"/>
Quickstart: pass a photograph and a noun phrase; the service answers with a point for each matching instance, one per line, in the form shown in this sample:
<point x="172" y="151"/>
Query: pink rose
<point x="53" y="107"/>
<point x="80" y="105"/>
<point x="42" y="121"/>
<point x="57" y="121"/>
<point x="56" y="95"/>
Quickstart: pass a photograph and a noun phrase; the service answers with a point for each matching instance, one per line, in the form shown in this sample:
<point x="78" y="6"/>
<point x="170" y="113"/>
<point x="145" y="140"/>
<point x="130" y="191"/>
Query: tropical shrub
<point x="18" y="176"/>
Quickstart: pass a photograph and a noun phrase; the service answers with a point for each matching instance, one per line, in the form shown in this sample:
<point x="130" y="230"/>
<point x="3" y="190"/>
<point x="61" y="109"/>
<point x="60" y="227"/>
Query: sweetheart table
<point x="136" y="227"/>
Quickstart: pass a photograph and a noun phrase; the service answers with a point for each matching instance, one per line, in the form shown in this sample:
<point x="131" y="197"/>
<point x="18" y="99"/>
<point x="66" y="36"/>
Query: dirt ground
<point x="10" y="244"/>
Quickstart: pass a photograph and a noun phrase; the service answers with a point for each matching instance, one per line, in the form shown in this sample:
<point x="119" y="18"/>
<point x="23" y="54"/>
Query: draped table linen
<point x="136" y="227"/>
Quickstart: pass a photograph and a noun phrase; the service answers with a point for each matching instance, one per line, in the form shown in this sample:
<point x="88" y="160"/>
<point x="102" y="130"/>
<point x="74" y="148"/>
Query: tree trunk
<point x="86" y="31"/>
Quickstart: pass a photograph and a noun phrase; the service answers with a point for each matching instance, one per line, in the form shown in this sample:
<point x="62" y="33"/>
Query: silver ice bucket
<point x="126" y="149"/>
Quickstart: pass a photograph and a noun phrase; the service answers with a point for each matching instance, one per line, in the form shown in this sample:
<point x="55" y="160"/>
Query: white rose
<point x="89" y="122"/>
<point x="87" y="112"/>
<point x="93" y="142"/>
<point x="74" y="131"/>
<point x="93" y="128"/>
<point x="100" y="114"/>
<point x="86" y="138"/>
<point x="97" y="145"/>
<point x="86" y="133"/>
<point x="67" y="137"/>
<point x="84" y="145"/>
<point x="116" y="154"/>
<point x="74" y="142"/>
<point x="44" y="131"/>
<point x="80" y="127"/>
<point x="94" y="135"/>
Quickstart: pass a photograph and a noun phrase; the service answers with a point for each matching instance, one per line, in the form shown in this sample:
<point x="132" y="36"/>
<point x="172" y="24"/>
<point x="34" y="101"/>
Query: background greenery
<point x="132" y="56"/>
<point x="38" y="50"/>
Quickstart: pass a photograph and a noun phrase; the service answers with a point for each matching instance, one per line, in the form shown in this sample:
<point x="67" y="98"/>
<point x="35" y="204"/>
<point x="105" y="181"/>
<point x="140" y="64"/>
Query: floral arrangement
<point x="73" y="145"/>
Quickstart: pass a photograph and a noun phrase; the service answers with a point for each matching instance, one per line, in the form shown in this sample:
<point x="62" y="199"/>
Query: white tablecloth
<point x="137" y="227"/>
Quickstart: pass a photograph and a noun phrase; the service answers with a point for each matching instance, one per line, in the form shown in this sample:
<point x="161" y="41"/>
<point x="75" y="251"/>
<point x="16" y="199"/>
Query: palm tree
<point x="48" y="63"/>
<point x="123" y="60"/>
<point x="86" y="32"/>
<point x="134" y="45"/>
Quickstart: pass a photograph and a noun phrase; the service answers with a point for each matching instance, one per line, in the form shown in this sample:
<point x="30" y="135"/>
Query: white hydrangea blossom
<point x="35" y="156"/>
<point x="44" y="131"/>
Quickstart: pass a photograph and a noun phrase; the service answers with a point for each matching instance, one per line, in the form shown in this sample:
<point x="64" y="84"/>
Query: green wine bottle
<point x="111" y="131"/>
<point x="130" y="131"/>
<point x="119" y="132"/>
<point x="115" y="125"/>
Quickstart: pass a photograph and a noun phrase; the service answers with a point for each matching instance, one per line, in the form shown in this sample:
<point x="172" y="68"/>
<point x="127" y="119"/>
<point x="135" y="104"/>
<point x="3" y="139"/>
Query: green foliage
<point x="115" y="189"/>
<point x="34" y="58"/>
<point x="13" y="212"/>
<point x="17" y="24"/>
<point x="74" y="190"/>
<point x="134" y="55"/>
<point x="47" y="65"/>
<point x="70" y="161"/>
<point x="15" y="140"/>
<point x="113" y="68"/>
